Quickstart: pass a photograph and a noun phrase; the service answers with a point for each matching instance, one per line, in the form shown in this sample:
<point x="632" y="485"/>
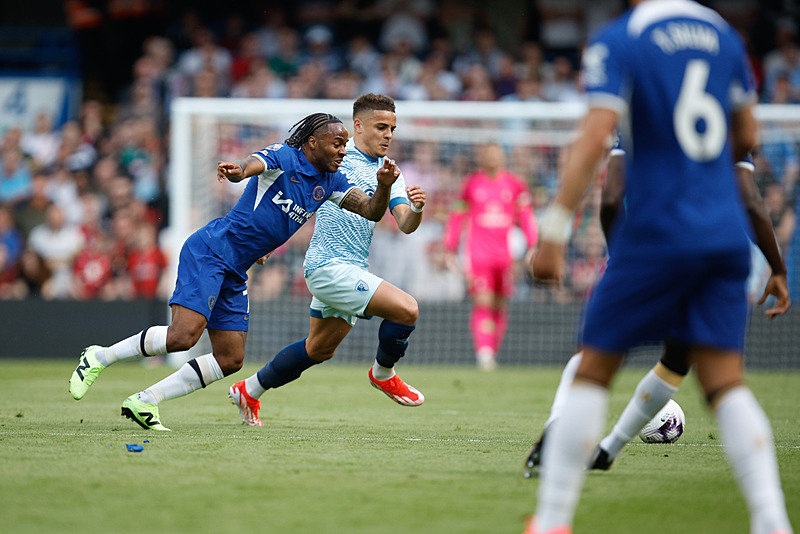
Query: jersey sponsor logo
<point x="296" y="212"/>
<point x="274" y="146"/>
<point x="362" y="286"/>
<point x="319" y="193"/>
<point x="211" y="301"/>
<point x="368" y="190"/>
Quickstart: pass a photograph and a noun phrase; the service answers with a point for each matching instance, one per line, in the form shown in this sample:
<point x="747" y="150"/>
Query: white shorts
<point x="341" y="290"/>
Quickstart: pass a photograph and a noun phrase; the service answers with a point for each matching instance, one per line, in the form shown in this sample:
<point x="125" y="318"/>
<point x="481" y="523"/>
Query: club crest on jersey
<point x="362" y="286"/>
<point x="318" y="193"/>
<point x="211" y="301"/>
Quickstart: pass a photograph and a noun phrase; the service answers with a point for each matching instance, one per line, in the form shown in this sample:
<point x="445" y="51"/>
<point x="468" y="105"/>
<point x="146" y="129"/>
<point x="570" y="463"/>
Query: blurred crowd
<point x="83" y="206"/>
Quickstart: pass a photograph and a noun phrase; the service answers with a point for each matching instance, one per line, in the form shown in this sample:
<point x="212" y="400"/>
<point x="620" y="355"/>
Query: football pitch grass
<point x="337" y="456"/>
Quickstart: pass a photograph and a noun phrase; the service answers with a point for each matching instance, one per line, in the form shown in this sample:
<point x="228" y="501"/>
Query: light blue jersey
<point x="342" y="236"/>
<point x="674" y="71"/>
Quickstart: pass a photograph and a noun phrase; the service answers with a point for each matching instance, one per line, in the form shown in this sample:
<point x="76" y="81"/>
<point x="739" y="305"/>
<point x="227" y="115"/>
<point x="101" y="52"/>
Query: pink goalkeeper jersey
<point x="490" y="208"/>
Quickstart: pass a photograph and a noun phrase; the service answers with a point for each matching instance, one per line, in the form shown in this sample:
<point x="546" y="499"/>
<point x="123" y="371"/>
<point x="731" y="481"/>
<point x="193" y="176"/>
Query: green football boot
<point x="142" y="413"/>
<point x="86" y="373"/>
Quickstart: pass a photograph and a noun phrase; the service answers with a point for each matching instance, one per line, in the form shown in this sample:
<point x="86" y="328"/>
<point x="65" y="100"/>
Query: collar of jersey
<point x="305" y="167"/>
<point x="367" y="156"/>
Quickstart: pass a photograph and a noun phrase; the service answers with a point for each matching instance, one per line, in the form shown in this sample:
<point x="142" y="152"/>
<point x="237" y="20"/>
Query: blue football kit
<point x="674" y="72"/>
<point x="213" y="263"/>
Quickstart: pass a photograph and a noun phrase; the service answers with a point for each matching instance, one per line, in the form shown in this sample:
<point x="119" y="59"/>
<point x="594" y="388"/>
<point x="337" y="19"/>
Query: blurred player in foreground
<point x="336" y="274"/>
<point x="492" y="200"/>
<point x="293" y="181"/>
<point x="680" y="255"/>
<point x="661" y="383"/>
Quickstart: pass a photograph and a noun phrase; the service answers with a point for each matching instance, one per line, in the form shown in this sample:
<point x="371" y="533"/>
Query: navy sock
<point x="392" y="342"/>
<point x="286" y="366"/>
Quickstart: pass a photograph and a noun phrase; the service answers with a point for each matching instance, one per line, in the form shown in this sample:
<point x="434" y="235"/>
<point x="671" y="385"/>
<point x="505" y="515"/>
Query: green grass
<point x="336" y="456"/>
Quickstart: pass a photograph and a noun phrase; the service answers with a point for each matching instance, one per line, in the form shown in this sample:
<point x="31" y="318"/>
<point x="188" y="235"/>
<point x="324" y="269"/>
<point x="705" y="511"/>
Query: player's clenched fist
<point x="547" y="264"/>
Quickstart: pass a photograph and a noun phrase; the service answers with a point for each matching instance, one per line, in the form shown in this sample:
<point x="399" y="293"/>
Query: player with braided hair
<point x="337" y="276"/>
<point x="292" y="181"/>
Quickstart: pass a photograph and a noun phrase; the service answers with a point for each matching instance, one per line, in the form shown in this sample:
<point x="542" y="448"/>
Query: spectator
<point x="485" y="52"/>
<point x="62" y="190"/>
<point x="203" y="57"/>
<point x="405" y="22"/>
<point x="75" y="153"/>
<point x="246" y="57"/>
<point x="41" y="145"/>
<point x="30" y="212"/>
<point x="260" y="82"/>
<point x="778" y="156"/>
<point x="15" y="175"/>
<point x="361" y="56"/>
<point x="286" y="61"/>
<point x="320" y="50"/>
<point x="478" y="85"/>
<point x="435" y="81"/>
<point x="11" y="246"/>
<point x="57" y="243"/>
<point x="783" y="217"/>
<point x="92" y="270"/>
<point x="783" y="61"/>
<point x="563" y="85"/>
<point x="146" y="262"/>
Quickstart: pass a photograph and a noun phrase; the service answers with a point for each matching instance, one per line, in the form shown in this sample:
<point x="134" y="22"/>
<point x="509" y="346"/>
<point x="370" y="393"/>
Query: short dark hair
<point x="372" y="102"/>
<point x="305" y="128"/>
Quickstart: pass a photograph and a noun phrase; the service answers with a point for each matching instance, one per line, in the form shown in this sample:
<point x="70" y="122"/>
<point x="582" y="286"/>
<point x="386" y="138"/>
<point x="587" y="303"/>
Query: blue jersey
<point x="273" y="206"/>
<point x="674" y="71"/>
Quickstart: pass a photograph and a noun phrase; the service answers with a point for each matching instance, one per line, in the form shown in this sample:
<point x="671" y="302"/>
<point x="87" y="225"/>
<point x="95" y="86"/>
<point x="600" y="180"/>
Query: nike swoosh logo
<point x="295" y="180"/>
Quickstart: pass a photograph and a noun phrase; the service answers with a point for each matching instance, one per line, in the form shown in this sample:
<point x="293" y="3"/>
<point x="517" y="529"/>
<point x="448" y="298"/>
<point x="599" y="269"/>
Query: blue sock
<point x="392" y="342"/>
<point x="286" y="366"/>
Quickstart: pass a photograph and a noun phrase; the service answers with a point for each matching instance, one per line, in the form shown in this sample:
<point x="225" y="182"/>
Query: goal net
<point x="435" y="145"/>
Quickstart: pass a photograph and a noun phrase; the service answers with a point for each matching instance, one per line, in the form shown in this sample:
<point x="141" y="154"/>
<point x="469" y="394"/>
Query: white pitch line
<point x="367" y="438"/>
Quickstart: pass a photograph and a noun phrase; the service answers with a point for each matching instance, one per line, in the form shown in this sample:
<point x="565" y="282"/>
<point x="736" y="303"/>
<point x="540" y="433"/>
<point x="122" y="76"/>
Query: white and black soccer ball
<point x="666" y="427"/>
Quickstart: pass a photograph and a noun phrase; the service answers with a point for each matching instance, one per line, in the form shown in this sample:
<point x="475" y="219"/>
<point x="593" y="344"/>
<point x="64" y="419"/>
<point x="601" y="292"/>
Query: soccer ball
<point x="666" y="427"/>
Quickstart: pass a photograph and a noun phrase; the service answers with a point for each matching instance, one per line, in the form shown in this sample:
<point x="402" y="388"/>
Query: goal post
<point x="435" y="145"/>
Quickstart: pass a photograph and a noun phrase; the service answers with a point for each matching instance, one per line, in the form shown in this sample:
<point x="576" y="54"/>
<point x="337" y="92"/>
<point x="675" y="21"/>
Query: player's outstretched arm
<point x="766" y="241"/>
<point x="238" y="170"/>
<point x="556" y="226"/>
<point x="409" y="216"/>
<point x="373" y="207"/>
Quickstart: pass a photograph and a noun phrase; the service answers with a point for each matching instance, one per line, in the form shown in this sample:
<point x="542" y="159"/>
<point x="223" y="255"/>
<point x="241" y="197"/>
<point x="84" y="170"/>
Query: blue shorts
<point x="208" y="286"/>
<point x="697" y="301"/>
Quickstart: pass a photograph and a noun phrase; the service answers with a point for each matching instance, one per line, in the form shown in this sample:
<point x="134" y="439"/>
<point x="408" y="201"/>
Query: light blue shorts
<point x="341" y="290"/>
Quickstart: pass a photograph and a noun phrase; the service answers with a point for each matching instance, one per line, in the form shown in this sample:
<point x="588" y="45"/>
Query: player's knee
<point x="408" y="313"/>
<point x="180" y="339"/>
<point x="229" y="363"/>
<point x="714" y="395"/>
<point x="320" y="351"/>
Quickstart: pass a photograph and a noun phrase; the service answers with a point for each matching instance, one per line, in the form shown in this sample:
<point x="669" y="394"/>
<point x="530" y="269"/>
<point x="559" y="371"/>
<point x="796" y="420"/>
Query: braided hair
<point x="305" y="128"/>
